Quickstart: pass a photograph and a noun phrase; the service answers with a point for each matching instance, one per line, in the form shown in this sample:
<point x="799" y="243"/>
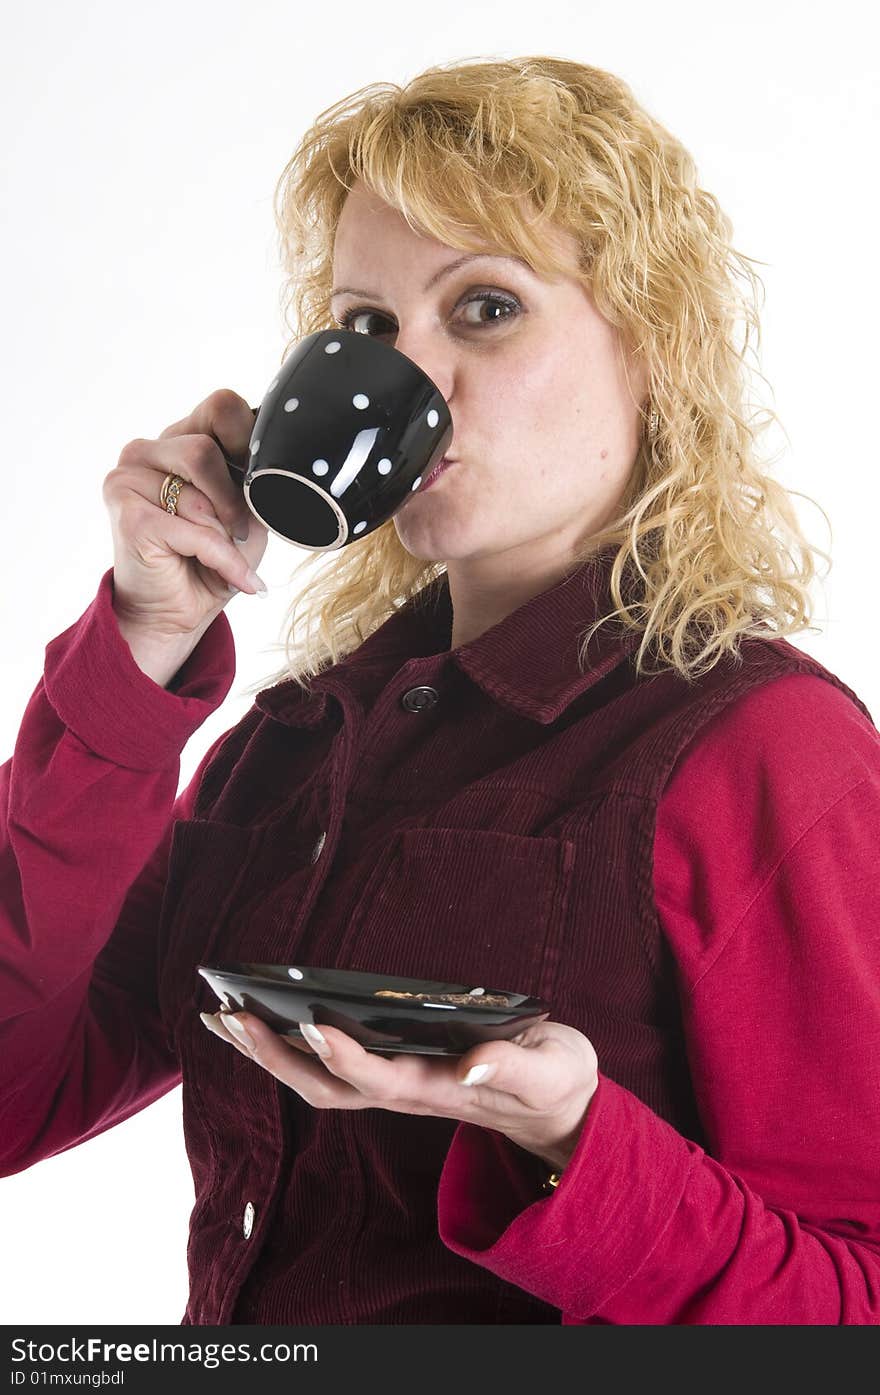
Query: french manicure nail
<point x="315" y="1038"/>
<point x="212" y="1021"/>
<point x="477" y="1074"/>
<point x="253" y="580"/>
<point x="233" y="1025"/>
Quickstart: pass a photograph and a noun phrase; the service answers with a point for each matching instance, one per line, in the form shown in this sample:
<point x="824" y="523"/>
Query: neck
<point x="484" y="592"/>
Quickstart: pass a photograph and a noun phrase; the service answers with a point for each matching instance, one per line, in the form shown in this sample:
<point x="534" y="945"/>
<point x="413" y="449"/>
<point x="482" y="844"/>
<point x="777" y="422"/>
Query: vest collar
<point x="528" y="662"/>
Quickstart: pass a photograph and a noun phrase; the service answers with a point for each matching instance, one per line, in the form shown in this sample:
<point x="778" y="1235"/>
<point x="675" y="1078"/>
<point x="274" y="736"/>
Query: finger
<point x="538" y="1069"/>
<point x="407" y="1083"/>
<point x="165" y="535"/>
<point x="349" y="1076"/>
<point x="298" y="1045"/>
<point x="208" y="496"/>
<point x="226" y="419"/>
<point x="212" y="1021"/>
<point x="289" y="1065"/>
<point x="223" y="415"/>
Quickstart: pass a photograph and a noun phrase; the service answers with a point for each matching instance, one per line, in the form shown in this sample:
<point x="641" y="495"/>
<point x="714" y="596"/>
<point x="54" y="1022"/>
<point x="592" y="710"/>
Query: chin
<point x="426" y="545"/>
<point x="440" y="535"/>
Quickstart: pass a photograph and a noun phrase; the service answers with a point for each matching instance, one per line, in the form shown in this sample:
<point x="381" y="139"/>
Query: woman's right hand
<point x="172" y="573"/>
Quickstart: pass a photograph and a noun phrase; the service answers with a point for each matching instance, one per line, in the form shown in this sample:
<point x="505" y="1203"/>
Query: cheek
<point x="544" y="402"/>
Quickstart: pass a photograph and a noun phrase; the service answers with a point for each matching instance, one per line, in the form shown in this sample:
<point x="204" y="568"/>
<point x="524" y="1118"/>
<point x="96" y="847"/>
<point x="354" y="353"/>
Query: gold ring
<point x="170" y="492"/>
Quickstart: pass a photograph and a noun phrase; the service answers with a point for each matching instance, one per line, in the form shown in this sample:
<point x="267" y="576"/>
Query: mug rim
<point x="341" y="520"/>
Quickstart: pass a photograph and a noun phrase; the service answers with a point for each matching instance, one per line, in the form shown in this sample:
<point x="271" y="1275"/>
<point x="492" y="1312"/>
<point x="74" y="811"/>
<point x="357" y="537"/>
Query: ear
<point x="637" y="373"/>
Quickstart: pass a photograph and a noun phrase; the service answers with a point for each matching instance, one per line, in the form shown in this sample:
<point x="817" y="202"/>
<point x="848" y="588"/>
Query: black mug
<point x="348" y="429"/>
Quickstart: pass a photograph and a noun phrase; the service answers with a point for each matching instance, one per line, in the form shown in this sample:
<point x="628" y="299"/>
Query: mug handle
<point x="238" y="472"/>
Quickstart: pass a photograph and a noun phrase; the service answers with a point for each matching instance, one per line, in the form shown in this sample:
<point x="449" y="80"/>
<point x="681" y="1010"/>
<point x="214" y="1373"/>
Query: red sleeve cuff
<point x="575" y="1248"/>
<point x="113" y="708"/>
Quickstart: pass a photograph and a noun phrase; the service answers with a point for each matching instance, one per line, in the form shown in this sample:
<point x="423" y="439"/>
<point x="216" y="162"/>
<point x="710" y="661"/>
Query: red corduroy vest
<point x="501" y="837"/>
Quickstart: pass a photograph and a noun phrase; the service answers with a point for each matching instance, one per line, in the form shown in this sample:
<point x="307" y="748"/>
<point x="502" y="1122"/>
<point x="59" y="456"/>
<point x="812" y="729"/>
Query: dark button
<point x="420" y="699"/>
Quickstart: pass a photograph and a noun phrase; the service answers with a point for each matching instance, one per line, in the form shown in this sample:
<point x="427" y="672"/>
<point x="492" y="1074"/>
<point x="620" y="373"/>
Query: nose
<point x="429" y="352"/>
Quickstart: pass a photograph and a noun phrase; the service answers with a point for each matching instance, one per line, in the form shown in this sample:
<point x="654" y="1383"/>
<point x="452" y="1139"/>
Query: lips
<point x="437" y="470"/>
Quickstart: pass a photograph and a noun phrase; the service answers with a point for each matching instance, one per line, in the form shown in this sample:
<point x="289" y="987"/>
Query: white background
<point x="138" y="272"/>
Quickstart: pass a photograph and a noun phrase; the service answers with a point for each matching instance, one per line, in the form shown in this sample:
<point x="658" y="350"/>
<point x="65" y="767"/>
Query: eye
<point x="496" y="302"/>
<point x="350" y="318"/>
<point x="506" y="305"/>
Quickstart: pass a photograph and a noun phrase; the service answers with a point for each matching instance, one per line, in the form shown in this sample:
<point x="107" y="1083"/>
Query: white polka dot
<point x="360" y="401"/>
<point x="273" y="386"/>
<point x="320" y="467"/>
<point x="433" y="417"/>
<point x="384" y="466"/>
<point x="359" y="527"/>
<point x="332" y="347"/>
<point x="291" y="404"/>
<point x="295" y="973"/>
<point x="255" y="446"/>
<point x="416" y="484"/>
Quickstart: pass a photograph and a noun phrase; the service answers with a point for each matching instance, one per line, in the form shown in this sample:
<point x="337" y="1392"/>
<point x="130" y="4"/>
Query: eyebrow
<point x="438" y="275"/>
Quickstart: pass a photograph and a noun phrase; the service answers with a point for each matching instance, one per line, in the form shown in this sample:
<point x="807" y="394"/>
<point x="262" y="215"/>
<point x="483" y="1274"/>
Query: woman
<point x="620" y="788"/>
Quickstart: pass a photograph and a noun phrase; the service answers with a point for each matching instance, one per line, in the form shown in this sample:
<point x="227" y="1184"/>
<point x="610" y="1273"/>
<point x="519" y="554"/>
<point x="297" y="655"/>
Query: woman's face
<point x="546" y="430"/>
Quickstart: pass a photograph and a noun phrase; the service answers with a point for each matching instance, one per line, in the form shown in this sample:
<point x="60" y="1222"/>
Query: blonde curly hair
<point x="708" y="544"/>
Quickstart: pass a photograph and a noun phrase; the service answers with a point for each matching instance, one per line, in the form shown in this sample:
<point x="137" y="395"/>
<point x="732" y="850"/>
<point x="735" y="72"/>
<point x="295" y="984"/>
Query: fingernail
<point x="241" y="534"/>
<point x="233" y="1025"/>
<point x="210" y="1022"/>
<point x="315" y="1038"/>
<point x="253" y="580"/>
<point x="477" y="1074"/>
<point x="234" y="590"/>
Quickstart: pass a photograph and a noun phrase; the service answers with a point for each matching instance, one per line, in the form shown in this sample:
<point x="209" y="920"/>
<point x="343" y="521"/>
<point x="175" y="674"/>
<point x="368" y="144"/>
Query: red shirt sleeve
<point x="767" y="881"/>
<point x="87" y="804"/>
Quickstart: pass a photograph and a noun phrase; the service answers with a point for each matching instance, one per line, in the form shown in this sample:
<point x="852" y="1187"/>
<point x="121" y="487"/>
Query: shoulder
<point x="797" y="731"/>
<point x="768" y="769"/>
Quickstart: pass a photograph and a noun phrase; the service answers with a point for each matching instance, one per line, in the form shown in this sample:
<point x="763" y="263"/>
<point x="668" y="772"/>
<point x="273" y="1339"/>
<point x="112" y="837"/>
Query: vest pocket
<point x="484" y="909"/>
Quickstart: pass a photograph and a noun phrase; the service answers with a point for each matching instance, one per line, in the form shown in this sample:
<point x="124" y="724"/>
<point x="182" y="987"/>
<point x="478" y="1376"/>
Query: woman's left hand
<point x="536" y="1090"/>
